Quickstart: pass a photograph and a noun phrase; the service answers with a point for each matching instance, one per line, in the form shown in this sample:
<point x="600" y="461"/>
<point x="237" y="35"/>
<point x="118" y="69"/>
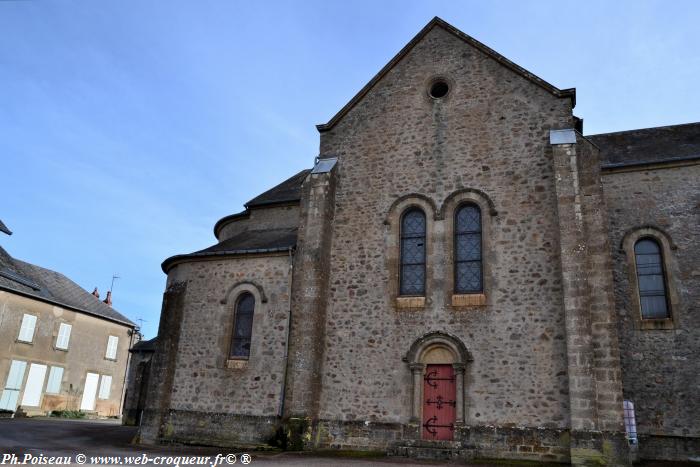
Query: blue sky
<point x="128" y="128"/>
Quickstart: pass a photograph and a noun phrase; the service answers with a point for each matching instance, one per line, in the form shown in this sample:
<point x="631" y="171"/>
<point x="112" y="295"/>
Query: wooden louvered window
<point x="242" y="327"/>
<point x="412" y="274"/>
<point x="651" y="279"/>
<point x="467" y="250"/>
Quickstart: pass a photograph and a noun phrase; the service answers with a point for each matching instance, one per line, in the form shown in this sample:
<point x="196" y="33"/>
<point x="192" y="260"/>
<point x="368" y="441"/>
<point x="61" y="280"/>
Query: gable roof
<point x="3" y="228"/>
<point x="438" y="22"/>
<point x="53" y="287"/>
<point x="673" y="143"/>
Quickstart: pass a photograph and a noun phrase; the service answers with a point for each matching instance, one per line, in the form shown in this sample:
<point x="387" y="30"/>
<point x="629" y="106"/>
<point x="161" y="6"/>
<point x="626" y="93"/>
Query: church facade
<point x="462" y="272"/>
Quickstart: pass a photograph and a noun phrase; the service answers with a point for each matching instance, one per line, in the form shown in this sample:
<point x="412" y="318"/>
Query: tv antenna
<point x="114" y="277"/>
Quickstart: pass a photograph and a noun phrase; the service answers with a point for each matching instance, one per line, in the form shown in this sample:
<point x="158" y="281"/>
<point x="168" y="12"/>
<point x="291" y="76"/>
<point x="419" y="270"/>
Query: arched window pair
<point x="242" y="326"/>
<point x="651" y="279"/>
<point x="468" y="270"/>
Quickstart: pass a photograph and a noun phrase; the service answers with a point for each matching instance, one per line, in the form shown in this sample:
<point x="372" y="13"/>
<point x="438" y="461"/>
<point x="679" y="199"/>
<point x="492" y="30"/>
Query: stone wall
<point x="661" y="367"/>
<point x="273" y="217"/>
<point x="205" y="381"/>
<point x="489" y="133"/>
<point x="136" y="387"/>
<point x="163" y="362"/>
<point x="538" y="372"/>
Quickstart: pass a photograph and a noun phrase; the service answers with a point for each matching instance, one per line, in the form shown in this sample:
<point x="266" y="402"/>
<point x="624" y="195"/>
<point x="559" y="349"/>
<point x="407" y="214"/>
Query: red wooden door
<point x="439" y="401"/>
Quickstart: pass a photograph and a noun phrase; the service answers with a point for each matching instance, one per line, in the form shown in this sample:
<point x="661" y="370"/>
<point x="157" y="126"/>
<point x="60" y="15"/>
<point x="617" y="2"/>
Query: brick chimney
<point x="108" y="300"/>
<point x="96" y="293"/>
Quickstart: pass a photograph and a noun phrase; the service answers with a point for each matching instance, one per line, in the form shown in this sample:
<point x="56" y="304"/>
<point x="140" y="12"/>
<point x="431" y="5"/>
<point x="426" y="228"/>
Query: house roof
<point x="3" y="228"/>
<point x="649" y="145"/>
<point x="53" y="287"/>
<point x="245" y="243"/>
<point x="437" y="22"/>
<point x="145" y="345"/>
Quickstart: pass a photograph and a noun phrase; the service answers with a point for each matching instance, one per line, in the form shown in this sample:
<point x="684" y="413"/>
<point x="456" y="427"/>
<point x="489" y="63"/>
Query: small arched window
<point x="413" y="252"/>
<point x="242" y="326"/>
<point x="651" y="279"/>
<point x="467" y="256"/>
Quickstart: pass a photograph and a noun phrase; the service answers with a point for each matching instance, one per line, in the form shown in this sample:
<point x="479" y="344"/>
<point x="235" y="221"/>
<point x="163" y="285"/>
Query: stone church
<point x="462" y="274"/>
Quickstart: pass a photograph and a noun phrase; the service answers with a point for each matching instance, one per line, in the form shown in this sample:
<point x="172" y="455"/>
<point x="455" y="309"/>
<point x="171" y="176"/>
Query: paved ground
<point x="56" y="437"/>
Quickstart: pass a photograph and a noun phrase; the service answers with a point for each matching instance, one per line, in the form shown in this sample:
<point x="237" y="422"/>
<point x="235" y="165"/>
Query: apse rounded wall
<point x="275" y="217"/>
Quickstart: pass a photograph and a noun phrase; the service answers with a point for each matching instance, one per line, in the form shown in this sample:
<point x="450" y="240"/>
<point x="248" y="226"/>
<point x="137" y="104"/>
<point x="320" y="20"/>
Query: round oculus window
<point x="439" y="89"/>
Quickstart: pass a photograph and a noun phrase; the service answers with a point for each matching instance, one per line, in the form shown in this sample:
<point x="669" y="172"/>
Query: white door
<point x="88" y="402"/>
<point x="35" y="385"/>
<point x="13" y="385"/>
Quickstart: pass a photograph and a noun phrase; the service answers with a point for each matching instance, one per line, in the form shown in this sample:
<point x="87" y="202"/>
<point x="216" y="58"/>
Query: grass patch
<point x="68" y="414"/>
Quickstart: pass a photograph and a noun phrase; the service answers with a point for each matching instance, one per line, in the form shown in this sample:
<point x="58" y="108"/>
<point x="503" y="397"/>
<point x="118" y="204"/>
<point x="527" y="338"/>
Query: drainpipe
<point x="280" y="412"/>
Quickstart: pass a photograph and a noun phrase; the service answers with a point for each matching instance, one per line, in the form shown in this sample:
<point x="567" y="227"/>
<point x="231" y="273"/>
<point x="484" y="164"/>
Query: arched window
<point x="242" y="326"/>
<point x="651" y="279"/>
<point x="467" y="256"/>
<point x="413" y="252"/>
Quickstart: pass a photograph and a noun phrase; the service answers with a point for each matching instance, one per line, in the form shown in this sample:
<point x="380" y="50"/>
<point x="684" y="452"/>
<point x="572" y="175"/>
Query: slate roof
<point x="289" y="191"/>
<point x="244" y="243"/>
<point x="286" y="192"/>
<point x="145" y="345"/>
<point x="3" y="228"/>
<point x="51" y="286"/>
<point x="649" y="145"/>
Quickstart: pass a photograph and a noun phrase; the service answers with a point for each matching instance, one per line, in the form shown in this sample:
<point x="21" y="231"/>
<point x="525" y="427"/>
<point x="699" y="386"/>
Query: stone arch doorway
<point x="437" y="362"/>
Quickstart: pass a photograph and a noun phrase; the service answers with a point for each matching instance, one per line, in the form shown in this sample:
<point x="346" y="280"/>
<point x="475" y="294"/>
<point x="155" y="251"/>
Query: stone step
<point x="424" y="443"/>
<point x="434" y="453"/>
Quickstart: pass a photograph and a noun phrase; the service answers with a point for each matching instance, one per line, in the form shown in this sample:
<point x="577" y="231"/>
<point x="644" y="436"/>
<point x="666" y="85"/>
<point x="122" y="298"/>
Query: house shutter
<point x="105" y="387"/>
<point x="55" y="378"/>
<point x="63" y="336"/>
<point x="10" y="394"/>
<point x="26" y="331"/>
<point x="112" y="347"/>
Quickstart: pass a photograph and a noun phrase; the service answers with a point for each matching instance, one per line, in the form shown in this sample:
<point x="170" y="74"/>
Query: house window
<point x="63" y="336"/>
<point x="26" y="330"/>
<point x="467" y="250"/>
<point x="242" y="327"/>
<point x="651" y="279"/>
<point x="630" y="421"/>
<point x="412" y="275"/>
<point x="55" y="377"/>
<point x="112" y="344"/>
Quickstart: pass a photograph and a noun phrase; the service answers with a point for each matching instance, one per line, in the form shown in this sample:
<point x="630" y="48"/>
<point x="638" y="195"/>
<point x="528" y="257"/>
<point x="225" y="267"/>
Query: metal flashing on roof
<point x="324" y="165"/>
<point x="562" y="136"/>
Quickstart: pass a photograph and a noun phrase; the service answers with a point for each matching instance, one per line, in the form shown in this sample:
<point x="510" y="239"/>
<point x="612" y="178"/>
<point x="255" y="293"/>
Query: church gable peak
<point x="437" y="22"/>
